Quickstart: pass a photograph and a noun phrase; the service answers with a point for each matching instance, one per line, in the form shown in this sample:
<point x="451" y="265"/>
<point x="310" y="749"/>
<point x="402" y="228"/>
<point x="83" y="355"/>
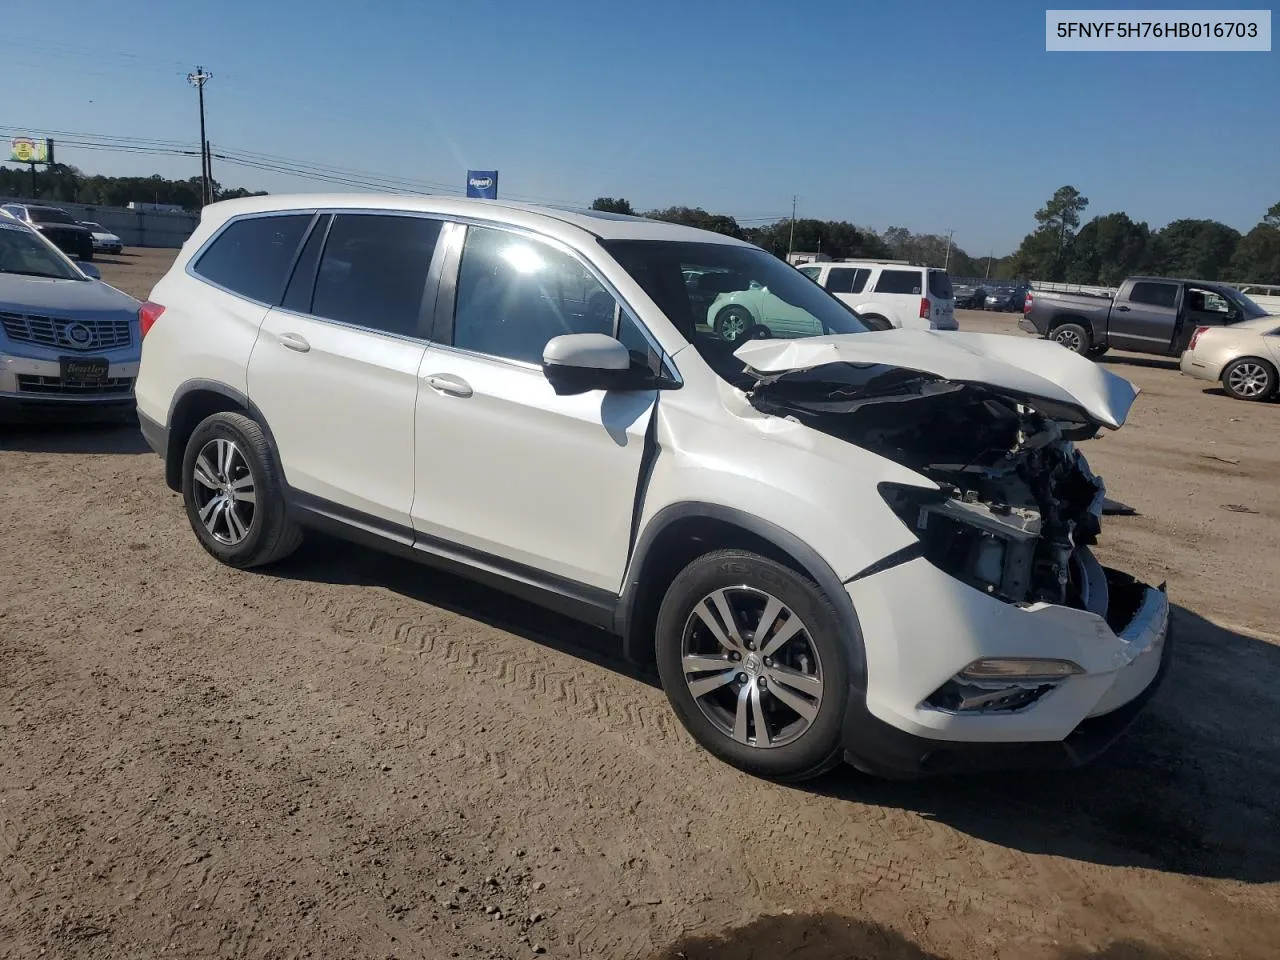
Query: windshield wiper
<point x="34" y="273"/>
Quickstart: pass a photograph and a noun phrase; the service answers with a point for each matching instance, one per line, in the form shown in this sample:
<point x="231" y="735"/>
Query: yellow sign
<point x="26" y="150"/>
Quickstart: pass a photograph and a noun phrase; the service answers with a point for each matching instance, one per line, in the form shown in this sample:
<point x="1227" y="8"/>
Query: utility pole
<point x="990" y="253"/>
<point x="791" y="244"/>
<point x="198" y="80"/>
<point x="947" y="260"/>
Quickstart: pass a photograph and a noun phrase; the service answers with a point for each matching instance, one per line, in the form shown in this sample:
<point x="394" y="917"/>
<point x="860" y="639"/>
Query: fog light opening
<point x="957" y="696"/>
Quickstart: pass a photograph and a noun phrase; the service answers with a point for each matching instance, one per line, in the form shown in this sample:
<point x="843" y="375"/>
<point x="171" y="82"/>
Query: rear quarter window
<point x="252" y="257"/>
<point x="940" y="285"/>
<point x="900" y="281"/>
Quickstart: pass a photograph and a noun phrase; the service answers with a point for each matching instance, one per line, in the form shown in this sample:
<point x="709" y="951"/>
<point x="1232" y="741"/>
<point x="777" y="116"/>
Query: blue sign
<point x="482" y="184"/>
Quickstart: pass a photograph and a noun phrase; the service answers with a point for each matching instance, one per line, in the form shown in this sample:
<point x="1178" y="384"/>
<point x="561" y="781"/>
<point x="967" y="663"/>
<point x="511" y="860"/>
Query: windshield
<point x="1250" y="309"/>
<point x="721" y="295"/>
<point x="49" y="215"/>
<point x="22" y="253"/>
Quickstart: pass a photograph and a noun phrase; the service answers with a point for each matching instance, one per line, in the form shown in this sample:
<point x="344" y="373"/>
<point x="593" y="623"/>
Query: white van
<point x="889" y="293"/>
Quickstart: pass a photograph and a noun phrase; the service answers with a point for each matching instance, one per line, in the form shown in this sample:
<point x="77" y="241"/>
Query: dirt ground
<point x="352" y="756"/>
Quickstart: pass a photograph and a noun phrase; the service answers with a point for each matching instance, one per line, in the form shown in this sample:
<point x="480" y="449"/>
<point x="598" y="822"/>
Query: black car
<point x="58" y="225"/>
<point x="1009" y="299"/>
<point x="970" y="298"/>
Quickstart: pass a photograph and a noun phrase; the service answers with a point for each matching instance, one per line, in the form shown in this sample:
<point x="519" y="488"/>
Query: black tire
<point x="1072" y="336"/>
<point x="732" y="322"/>
<point x="873" y="321"/>
<point x="1249" y="378"/>
<point x="814" y="744"/>
<point x="1095" y="352"/>
<point x="269" y="534"/>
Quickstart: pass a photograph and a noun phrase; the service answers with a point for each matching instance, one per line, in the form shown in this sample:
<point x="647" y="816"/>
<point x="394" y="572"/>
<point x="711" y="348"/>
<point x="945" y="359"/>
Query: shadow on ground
<point x="1137" y="360"/>
<point x="829" y="936"/>
<point x="119" y="436"/>
<point x="1190" y="789"/>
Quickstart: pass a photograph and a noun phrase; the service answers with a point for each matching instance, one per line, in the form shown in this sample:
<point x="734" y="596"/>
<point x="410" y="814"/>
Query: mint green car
<point x="733" y="314"/>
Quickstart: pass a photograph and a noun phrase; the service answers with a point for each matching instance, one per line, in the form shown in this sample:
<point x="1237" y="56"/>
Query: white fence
<point x="136" y="228"/>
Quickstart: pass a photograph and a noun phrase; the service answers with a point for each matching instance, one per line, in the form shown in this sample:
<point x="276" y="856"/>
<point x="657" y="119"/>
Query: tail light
<point x="1026" y="304"/>
<point x="1196" y="336"/>
<point x="924" y="308"/>
<point x="148" y="314"/>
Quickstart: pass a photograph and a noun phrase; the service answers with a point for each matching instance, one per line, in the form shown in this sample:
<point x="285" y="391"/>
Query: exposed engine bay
<point x="1018" y="506"/>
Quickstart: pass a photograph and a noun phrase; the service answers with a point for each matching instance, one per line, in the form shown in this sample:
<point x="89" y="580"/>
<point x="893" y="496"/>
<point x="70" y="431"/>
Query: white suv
<point x="871" y="546"/>
<point x="889" y="293"/>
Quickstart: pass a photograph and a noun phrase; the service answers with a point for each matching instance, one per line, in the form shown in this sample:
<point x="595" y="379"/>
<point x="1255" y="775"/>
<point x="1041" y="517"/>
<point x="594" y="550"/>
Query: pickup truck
<point x="1146" y="315"/>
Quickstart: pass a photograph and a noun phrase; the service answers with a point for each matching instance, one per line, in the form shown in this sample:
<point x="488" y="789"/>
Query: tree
<point x="1109" y="248"/>
<point x="1257" y="255"/>
<point x="836" y="238"/>
<point x="1045" y="252"/>
<point x="1199" y="249"/>
<point x="697" y="217"/>
<point x="613" y="205"/>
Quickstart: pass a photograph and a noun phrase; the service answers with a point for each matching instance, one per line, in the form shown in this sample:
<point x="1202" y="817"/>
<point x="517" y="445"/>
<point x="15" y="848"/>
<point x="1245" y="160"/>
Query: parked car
<point x="784" y="526"/>
<point x="1244" y="357"/>
<point x="1006" y="299"/>
<point x="58" y="225"/>
<point x="969" y="297"/>
<point x="69" y="343"/>
<point x="889" y="293"/>
<point x="1147" y="315"/>
<point x="104" y="241"/>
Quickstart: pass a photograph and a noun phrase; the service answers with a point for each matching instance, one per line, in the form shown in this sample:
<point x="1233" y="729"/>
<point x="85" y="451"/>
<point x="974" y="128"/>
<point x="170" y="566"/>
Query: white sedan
<point x="1244" y="356"/>
<point x="104" y="241"/>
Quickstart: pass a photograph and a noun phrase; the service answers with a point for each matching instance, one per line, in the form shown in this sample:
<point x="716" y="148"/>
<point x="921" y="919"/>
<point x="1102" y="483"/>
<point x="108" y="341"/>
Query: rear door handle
<point x="294" y="341"/>
<point x="448" y="383"/>
<point x="1122" y="309"/>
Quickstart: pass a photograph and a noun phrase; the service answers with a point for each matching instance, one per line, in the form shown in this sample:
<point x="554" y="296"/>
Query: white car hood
<point x="1021" y="367"/>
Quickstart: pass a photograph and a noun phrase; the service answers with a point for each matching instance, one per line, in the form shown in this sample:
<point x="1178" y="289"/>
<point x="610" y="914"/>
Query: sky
<point x="934" y="116"/>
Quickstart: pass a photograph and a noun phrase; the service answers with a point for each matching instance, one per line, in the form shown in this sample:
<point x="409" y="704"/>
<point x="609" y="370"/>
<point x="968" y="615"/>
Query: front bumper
<point x="32" y="388"/>
<point x="913" y="648"/>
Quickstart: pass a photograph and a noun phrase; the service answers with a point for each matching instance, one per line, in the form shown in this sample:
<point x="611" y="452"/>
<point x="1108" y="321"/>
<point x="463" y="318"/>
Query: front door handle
<point x="448" y="383"/>
<point x="294" y="341"/>
<point x="1122" y="309"/>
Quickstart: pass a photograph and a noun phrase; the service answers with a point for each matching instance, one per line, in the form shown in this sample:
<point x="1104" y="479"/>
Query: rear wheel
<point x="1072" y="336"/>
<point x="752" y="659"/>
<point x="1249" y="378"/>
<point x="874" y="321"/>
<point x="1098" y="351"/>
<point x="233" y="492"/>
<point x="732" y="322"/>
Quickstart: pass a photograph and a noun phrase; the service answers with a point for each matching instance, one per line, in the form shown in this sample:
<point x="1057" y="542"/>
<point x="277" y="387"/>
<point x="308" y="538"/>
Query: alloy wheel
<point x="752" y="667"/>
<point x="732" y="326"/>
<point x="1069" y="339"/>
<point x="224" y="492"/>
<point x="1249" y="379"/>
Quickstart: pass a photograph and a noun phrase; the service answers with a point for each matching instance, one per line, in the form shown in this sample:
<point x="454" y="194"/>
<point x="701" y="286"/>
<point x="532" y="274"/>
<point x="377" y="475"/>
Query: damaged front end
<point x="1015" y="506"/>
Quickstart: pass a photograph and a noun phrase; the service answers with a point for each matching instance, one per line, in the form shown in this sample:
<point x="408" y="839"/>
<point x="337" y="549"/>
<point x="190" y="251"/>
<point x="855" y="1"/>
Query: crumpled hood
<point x="1021" y="367"/>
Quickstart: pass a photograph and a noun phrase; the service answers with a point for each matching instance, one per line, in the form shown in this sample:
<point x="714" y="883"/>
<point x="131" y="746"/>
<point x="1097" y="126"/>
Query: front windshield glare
<point x="21" y="253"/>
<point x="721" y="295"/>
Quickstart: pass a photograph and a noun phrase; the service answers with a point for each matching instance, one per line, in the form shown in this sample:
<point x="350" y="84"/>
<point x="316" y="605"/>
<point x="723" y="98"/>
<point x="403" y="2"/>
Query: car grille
<point x="56" y="332"/>
<point x="30" y="383"/>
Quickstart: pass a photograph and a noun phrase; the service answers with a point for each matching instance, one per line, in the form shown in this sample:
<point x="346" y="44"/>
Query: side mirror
<point x="89" y="270"/>
<point x="581" y="362"/>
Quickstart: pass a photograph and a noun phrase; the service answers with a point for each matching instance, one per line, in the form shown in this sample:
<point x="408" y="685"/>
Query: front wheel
<point x="234" y="493"/>
<point x="1249" y="378"/>
<point x="752" y="659"/>
<point x="1072" y="336"/>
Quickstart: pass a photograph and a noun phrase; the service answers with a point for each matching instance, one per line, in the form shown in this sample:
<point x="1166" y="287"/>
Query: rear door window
<point x="899" y="281"/>
<point x="847" y="279"/>
<point x="1154" y="294"/>
<point x="251" y="257"/>
<point x="373" y="272"/>
<point x="940" y="285"/>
